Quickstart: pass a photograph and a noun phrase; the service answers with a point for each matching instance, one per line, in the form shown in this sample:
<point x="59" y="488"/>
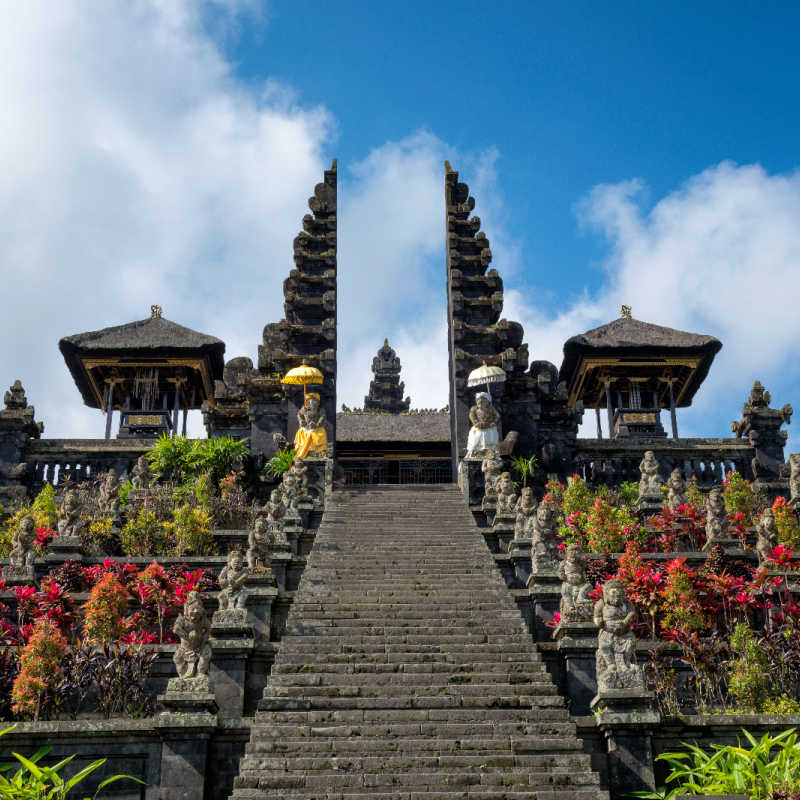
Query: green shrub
<point x="43" y="510"/>
<point x="738" y="494"/>
<point x="524" y="467"/>
<point x="190" y="532"/>
<point x="769" y="766"/>
<point x="172" y="458"/>
<point x="105" y="609"/>
<point x="279" y="463"/>
<point x="144" y="535"/>
<point x="748" y="675"/>
<point x="219" y="457"/>
<point x="123" y="493"/>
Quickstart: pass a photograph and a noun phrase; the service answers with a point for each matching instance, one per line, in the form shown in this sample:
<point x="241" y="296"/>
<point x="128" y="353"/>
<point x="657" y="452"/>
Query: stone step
<point x="389" y="662"/>
<point x="393" y="794"/>
<point x="364" y="668"/>
<point x="401" y="681"/>
<point x="442" y="718"/>
<point x="407" y="701"/>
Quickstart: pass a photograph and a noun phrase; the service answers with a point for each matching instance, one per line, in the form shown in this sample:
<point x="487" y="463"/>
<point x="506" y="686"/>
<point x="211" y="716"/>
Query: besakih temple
<point x="392" y="618"/>
<point x="149" y="371"/>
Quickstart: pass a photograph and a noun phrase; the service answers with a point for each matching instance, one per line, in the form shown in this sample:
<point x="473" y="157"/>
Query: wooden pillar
<point x="599" y="428"/>
<point x="185" y="414"/>
<point x="109" y="409"/>
<point x="672" y="411"/>
<point x="610" y="409"/>
<point x="175" y="408"/>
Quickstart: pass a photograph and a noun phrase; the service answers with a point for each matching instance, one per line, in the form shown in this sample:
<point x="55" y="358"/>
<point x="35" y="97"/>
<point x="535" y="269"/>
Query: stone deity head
<point x="311" y="402"/>
<point x="235" y="560"/>
<point x="573" y="556"/>
<point x="676" y="481"/>
<point x="193" y="609"/>
<point x="614" y="593"/>
<point x="715" y="503"/>
<point x="25" y="531"/>
<point x="528" y="500"/>
<point x="504" y="484"/>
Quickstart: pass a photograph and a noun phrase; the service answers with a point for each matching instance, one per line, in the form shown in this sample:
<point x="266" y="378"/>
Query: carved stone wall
<point x="386" y="389"/>
<point x="530" y="401"/>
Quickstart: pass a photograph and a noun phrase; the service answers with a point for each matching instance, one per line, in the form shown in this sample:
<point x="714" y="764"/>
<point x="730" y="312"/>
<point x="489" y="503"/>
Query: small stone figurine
<point x="576" y="605"/>
<point x="614" y="615"/>
<point x="193" y="656"/>
<point x="232" y="579"/>
<point x="491" y="467"/>
<point x="717" y="520"/>
<point x="506" y="499"/>
<point x="483" y="435"/>
<point x="767" y="532"/>
<point x="23" y="553"/>
<point x="650" y="480"/>
<point x="794" y="481"/>
<point x="525" y="509"/>
<point x="276" y="508"/>
<point x="141" y="476"/>
<point x="258" y="543"/>
<point x="289" y="490"/>
<point x="677" y="491"/>
<point x="69" y="515"/>
<point x="109" y="490"/>
<point x="544" y="539"/>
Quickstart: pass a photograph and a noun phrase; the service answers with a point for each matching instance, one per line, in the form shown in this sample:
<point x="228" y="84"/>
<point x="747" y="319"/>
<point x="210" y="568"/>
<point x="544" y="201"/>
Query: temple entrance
<point x="374" y="471"/>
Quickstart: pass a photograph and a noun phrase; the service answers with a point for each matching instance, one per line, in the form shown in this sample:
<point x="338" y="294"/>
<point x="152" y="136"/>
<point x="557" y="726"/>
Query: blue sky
<point x="625" y="152"/>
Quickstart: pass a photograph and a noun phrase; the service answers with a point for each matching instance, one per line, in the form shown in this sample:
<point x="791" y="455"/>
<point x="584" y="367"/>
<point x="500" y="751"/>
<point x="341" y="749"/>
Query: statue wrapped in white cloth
<point x="483" y="435"/>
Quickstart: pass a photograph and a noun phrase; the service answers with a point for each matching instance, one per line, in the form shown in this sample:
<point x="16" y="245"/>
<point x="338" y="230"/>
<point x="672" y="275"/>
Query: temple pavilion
<point x="149" y="371"/>
<point x="634" y="370"/>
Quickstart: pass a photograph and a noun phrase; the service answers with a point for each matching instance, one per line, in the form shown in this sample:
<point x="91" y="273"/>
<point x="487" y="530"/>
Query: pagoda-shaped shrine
<point x="386" y="389"/>
<point x="635" y="369"/>
<point x="147" y="370"/>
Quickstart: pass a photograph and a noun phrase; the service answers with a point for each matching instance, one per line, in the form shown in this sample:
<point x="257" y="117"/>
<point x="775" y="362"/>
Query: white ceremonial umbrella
<point x="486" y="374"/>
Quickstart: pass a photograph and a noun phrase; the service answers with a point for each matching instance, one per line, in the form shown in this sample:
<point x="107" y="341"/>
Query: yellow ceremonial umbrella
<point x="302" y="375"/>
<point x="486" y="374"/>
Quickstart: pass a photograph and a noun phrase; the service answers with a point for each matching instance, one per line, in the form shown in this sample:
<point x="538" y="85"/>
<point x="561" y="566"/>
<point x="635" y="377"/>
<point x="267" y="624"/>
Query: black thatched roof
<point x="431" y="426"/>
<point x="151" y="338"/>
<point x="627" y="338"/>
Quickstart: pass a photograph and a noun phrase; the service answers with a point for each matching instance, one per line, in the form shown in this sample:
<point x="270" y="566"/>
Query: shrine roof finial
<point x="625" y="312"/>
<point x="155" y="311"/>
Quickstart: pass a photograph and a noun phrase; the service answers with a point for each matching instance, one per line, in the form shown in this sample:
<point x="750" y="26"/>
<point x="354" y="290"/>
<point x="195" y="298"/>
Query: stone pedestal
<point x="261" y="593"/>
<point x="489" y="508"/>
<point x="577" y="650"/>
<point x="185" y="728"/>
<point x="232" y="643"/>
<point x="648" y="504"/>
<point x="503" y="529"/>
<point x="519" y="551"/>
<point x="305" y="509"/>
<point x="545" y="591"/>
<point x="470" y="479"/>
<point x="293" y="530"/>
<point x="19" y="576"/>
<point x="627" y="720"/>
<point x="62" y="548"/>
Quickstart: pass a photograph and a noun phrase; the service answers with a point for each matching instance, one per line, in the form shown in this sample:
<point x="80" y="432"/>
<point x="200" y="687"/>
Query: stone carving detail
<point x="717" y="520"/>
<point x="193" y="656"/>
<point x="386" y="389"/>
<point x="544" y="539"/>
<point x="232" y="580"/>
<point x="767" y="536"/>
<point x="576" y="605"/>
<point x="17" y="427"/>
<point x="141" y="475"/>
<point x="614" y="615"/>
<point x="677" y="491"/>
<point x="15" y="397"/>
<point x="109" y="491"/>
<point x="761" y="425"/>
<point x="794" y="481"/>
<point x="311" y="436"/>
<point x="483" y="435"/>
<point x="69" y="515"/>
<point x="491" y="467"/>
<point x="276" y="507"/>
<point x="23" y="552"/>
<point x="260" y="539"/>
<point x="525" y="510"/>
<point x="650" y="498"/>
<point x="506" y="502"/>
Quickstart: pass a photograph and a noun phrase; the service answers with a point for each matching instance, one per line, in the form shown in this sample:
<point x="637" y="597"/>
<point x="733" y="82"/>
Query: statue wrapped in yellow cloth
<point x="311" y="436"/>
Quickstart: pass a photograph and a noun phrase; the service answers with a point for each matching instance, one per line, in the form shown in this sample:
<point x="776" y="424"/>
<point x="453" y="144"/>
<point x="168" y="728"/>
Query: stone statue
<point x="275" y="508"/>
<point x="794" y="481"/>
<point x="109" y="490"/>
<point x="491" y="467"/>
<point x="576" y="605"/>
<point x="262" y="536"/>
<point x="614" y="615"/>
<point x="767" y="533"/>
<point x="717" y="520"/>
<point x="483" y="435"/>
<point x="650" y="481"/>
<point x="232" y="579"/>
<point x="677" y="491"/>
<point x="544" y="539"/>
<point x="23" y="552"/>
<point x="290" y="494"/>
<point x="141" y="475"/>
<point x="506" y="502"/>
<point x="69" y="515"/>
<point x="193" y="656"/>
<point x="15" y="397"/>
<point x="311" y="436"/>
<point x="525" y="509"/>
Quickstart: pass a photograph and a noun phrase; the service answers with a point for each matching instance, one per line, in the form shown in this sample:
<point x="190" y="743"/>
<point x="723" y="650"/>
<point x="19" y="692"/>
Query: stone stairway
<point x="406" y="671"/>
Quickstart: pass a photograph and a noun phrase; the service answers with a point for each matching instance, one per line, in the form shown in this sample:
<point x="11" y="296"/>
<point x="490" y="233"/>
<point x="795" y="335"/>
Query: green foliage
<point x="204" y="489"/>
<point x="628" y="492"/>
<point x="219" y="457"/>
<point x="9" y="528"/>
<point x="40" y="668"/>
<point x="577" y="496"/>
<point x="144" y="535"/>
<point x="693" y="494"/>
<point x="524" y="467"/>
<point x="770" y="765"/>
<point x="279" y="463"/>
<point x="609" y="529"/>
<point x="190" y="532"/>
<point x="171" y="457"/>
<point x="35" y="782"/>
<point x="738" y="494"/>
<point x="780" y="705"/>
<point x="183" y="460"/>
<point x="123" y="493"/>
<point x="748" y="674"/>
<point x="43" y="510"/>
<point x="105" y="609"/>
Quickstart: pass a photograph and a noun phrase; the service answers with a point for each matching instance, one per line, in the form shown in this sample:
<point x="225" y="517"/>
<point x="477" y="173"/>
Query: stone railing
<point x="612" y="461"/>
<point x="55" y="460"/>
